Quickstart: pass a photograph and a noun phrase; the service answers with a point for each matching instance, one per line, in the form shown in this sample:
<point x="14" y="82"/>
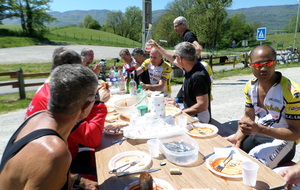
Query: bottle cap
<point x="140" y="86"/>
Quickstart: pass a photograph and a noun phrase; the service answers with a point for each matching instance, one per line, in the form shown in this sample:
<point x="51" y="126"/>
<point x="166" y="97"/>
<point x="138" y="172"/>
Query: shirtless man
<point x="274" y="100"/>
<point x="37" y="155"/>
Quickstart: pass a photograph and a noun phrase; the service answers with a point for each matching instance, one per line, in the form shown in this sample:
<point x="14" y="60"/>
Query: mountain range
<point x="272" y="17"/>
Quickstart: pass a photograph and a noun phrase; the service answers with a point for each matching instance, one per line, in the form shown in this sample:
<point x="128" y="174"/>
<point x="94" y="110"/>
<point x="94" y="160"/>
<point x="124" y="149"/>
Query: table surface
<point x="195" y="175"/>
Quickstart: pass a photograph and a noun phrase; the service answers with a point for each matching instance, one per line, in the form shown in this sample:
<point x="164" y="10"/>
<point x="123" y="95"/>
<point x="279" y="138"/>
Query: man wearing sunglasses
<point x="275" y="101"/>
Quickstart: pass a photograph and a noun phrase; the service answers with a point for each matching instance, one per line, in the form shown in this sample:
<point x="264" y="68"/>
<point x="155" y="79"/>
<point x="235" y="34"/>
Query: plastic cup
<point x="153" y="145"/>
<point x="249" y="170"/>
<point x="182" y="120"/>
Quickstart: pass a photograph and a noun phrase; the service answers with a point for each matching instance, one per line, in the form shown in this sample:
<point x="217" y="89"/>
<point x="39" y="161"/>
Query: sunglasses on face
<point x="177" y="25"/>
<point x="266" y="63"/>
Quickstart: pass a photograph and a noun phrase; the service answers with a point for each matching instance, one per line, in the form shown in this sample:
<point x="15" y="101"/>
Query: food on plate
<point x="110" y="108"/>
<point x="124" y="103"/>
<point x="233" y="167"/>
<point x="125" y="117"/>
<point x="115" y="129"/>
<point x="111" y="118"/>
<point x="172" y="111"/>
<point x="206" y="131"/>
<point x="146" y="181"/>
<point x="128" y="159"/>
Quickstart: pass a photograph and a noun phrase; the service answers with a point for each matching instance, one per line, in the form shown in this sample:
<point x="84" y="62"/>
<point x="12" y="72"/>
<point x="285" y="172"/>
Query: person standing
<point x="139" y="55"/>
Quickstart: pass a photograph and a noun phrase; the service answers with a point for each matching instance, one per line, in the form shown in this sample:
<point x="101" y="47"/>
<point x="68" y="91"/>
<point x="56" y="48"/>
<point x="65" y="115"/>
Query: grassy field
<point x="71" y="35"/>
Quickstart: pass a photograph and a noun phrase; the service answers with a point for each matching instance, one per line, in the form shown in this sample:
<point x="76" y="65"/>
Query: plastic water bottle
<point x="143" y="104"/>
<point x="111" y="72"/>
<point x="115" y="80"/>
<point x="132" y="86"/>
<point x="121" y="82"/>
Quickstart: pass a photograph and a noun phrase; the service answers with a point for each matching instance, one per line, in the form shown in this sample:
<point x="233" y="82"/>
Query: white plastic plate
<point x="189" y="127"/>
<point x="160" y="182"/>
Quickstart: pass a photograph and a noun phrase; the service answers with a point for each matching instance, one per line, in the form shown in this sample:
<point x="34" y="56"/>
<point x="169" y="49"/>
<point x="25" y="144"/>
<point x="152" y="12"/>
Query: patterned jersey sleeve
<point x="167" y="69"/>
<point x="247" y="94"/>
<point x="291" y="93"/>
<point x="145" y="64"/>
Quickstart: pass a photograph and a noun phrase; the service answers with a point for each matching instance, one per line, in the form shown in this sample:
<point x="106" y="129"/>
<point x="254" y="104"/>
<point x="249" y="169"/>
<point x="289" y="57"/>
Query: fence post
<point x="65" y="34"/>
<point x="234" y="59"/>
<point x="91" y="37"/>
<point x="82" y="36"/>
<point x="210" y="62"/>
<point x="246" y="60"/>
<point x="21" y="84"/>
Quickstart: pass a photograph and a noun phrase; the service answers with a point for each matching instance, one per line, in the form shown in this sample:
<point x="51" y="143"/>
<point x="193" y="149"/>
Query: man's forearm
<point x="154" y="87"/>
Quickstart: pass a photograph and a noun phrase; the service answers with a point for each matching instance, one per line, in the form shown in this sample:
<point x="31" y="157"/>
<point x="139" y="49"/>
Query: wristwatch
<point x="77" y="181"/>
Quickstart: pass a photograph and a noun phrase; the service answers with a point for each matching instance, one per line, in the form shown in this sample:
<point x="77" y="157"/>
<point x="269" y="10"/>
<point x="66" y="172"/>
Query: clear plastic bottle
<point x="111" y="77"/>
<point x="132" y="86"/>
<point x="143" y="104"/>
<point x="122" y="82"/>
<point x="115" y="79"/>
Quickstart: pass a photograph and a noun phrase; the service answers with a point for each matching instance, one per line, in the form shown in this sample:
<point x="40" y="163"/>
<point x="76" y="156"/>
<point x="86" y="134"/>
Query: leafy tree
<point x="292" y="24"/>
<point x="94" y="24"/>
<point x="208" y="17"/>
<point x="113" y="19"/>
<point x="132" y="23"/>
<point x="32" y="13"/>
<point x="6" y="10"/>
<point x="87" y="19"/>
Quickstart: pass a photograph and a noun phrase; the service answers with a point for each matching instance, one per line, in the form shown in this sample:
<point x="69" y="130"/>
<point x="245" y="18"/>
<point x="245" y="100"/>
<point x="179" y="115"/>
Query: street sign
<point x="245" y="43"/>
<point x="233" y="42"/>
<point x="233" y="45"/>
<point x="261" y="34"/>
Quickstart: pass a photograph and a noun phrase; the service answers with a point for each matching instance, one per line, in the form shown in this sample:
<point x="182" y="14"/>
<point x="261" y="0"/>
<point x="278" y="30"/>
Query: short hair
<point x="187" y="51"/>
<point x="70" y="87"/>
<point x="265" y="47"/>
<point x="138" y="52"/>
<point x="60" y="49"/>
<point x="180" y="20"/>
<point x="124" y="51"/>
<point x="85" y="50"/>
<point x="65" y="57"/>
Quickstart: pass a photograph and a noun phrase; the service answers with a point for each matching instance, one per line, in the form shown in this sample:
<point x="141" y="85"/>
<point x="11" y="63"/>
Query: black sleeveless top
<point x="12" y="147"/>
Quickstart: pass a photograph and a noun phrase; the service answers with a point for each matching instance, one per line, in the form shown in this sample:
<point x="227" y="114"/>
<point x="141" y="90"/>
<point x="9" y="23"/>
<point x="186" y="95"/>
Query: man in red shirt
<point x="86" y="132"/>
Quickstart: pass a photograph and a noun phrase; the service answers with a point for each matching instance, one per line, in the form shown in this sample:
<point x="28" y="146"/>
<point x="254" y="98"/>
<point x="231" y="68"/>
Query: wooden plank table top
<point x="195" y="175"/>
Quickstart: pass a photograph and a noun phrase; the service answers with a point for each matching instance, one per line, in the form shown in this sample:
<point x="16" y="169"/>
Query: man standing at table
<point x="37" y="155"/>
<point x="159" y="73"/>
<point x="275" y="101"/>
<point x="196" y="84"/>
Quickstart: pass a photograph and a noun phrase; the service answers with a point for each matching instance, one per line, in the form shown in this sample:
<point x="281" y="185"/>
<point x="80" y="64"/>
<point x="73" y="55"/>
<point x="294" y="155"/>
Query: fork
<point x="136" y="161"/>
<point x="221" y="166"/>
<point x="199" y="131"/>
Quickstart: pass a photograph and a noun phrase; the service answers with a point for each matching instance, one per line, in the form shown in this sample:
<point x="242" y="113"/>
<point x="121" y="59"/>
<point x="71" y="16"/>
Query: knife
<point x="205" y="157"/>
<point x="129" y="172"/>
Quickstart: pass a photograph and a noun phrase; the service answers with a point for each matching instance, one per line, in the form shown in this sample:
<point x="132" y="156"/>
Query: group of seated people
<point x="55" y="146"/>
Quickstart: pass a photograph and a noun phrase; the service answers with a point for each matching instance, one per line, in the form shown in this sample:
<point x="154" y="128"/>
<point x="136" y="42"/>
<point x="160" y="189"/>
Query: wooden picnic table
<point x="195" y="175"/>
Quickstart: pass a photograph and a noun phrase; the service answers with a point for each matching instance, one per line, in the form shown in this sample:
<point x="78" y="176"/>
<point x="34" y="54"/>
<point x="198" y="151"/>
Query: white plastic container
<point x="180" y="158"/>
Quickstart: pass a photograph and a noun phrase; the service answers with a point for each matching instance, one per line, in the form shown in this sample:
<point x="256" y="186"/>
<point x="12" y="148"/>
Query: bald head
<point x="264" y="50"/>
<point x="155" y="52"/>
<point x="155" y="57"/>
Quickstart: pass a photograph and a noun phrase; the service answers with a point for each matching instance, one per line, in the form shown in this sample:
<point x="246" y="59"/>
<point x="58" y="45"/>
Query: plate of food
<point x="172" y="111"/>
<point x="128" y="157"/>
<point x="233" y="168"/>
<point x="208" y="129"/>
<point x="115" y="129"/>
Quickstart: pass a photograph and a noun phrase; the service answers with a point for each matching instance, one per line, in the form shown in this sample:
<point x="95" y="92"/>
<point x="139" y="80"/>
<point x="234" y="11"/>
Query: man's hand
<point x="87" y="184"/>
<point x="104" y="93"/>
<point x="249" y="127"/>
<point x="145" y="86"/>
<point x="152" y="43"/>
<point x="291" y="176"/>
<point x="97" y="68"/>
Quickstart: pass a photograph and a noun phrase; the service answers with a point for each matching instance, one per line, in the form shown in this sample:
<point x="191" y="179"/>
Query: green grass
<point x="12" y="102"/>
<point x="12" y="41"/>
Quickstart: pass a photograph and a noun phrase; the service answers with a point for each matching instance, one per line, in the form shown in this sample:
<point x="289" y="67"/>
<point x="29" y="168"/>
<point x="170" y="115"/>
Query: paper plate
<point x="172" y="111"/>
<point x="236" y="157"/>
<point x="130" y="157"/>
<point x="204" y="125"/>
<point x="111" y="129"/>
<point x="159" y="182"/>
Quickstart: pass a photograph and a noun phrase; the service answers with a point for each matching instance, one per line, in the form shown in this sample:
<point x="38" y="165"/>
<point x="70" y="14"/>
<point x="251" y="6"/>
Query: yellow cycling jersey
<point x="163" y="71"/>
<point x="282" y="102"/>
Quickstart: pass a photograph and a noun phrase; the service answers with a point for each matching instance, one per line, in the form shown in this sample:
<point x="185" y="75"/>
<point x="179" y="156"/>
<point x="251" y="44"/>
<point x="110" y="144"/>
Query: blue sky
<point x="67" y="5"/>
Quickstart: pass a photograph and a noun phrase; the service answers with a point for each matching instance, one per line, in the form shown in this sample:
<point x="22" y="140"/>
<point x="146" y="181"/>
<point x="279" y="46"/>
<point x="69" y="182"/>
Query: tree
<point x="32" y="13"/>
<point x="132" y="23"/>
<point x="292" y="24"/>
<point x="94" y="24"/>
<point x="87" y="19"/>
<point x="112" y="19"/>
<point x="80" y="25"/>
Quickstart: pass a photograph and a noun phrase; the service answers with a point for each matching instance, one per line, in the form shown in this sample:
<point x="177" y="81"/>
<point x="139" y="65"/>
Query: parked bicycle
<point x="289" y="55"/>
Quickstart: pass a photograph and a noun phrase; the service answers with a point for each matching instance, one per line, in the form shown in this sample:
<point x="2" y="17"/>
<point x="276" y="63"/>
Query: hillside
<point x="272" y="17"/>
